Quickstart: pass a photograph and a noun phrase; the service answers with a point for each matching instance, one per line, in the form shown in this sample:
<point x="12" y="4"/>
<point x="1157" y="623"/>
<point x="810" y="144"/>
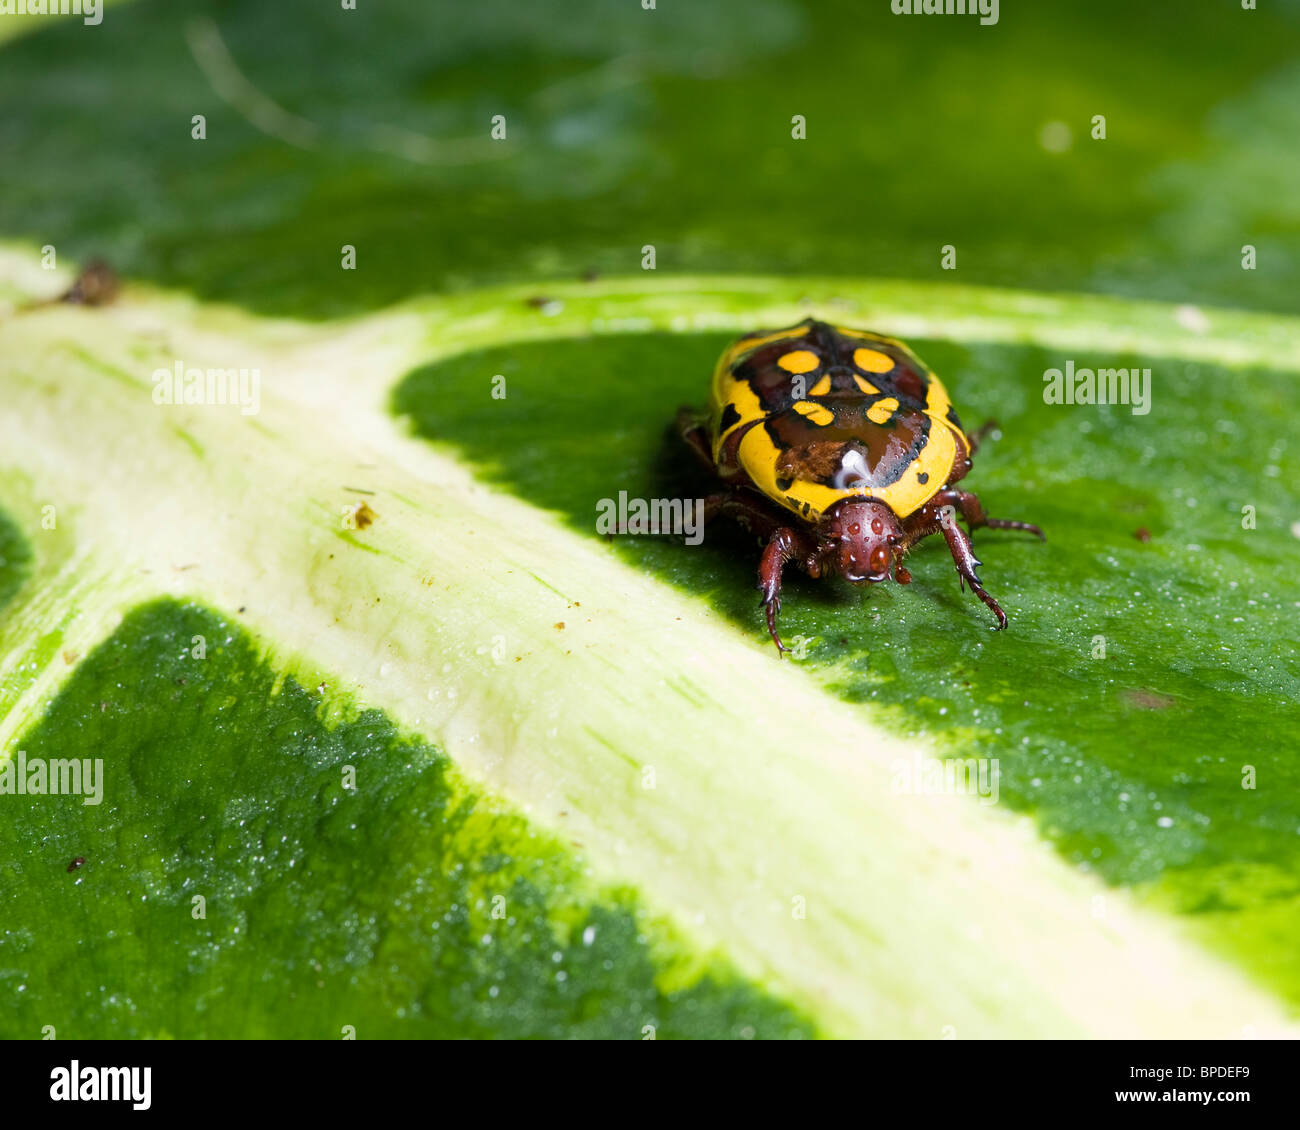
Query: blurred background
<point x="672" y="126"/>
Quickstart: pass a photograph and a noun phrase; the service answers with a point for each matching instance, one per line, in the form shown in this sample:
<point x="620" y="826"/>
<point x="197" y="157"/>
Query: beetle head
<point x="864" y="539"/>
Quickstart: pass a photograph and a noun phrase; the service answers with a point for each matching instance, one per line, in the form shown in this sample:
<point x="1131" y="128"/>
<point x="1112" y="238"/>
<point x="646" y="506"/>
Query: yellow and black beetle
<point x="840" y="449"/>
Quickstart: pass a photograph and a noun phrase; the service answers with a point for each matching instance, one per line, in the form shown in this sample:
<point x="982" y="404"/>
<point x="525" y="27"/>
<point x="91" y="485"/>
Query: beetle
<point x="841" y="450"/>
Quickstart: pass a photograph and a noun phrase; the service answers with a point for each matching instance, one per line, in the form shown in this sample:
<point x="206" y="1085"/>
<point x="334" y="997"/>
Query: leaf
<point x="234" y="884"/>
<point x="771" y="795"/>
<point x="1146" y="689"/>
<point x="420" y="639"/>
<point x="671" y="127"/>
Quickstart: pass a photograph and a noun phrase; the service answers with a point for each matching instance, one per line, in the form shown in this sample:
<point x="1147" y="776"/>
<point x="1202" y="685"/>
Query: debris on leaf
<point x="97" y="285"/>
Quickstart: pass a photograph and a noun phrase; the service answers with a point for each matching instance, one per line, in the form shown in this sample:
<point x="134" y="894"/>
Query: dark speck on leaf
<point x="1148" y="700"/>
<point x="95" y="286"/>
<point x="549" y="306"/>
<point x="1142" y="534"/>
<point x="76" y="863"/>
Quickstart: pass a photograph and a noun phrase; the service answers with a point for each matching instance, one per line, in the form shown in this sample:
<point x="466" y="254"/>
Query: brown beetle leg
<point x="782" y="548"/>
<point x="743" y="506"/>
<point x="976" y="437"/>
<point x="696" y="435"/>
<point x="1007" y="524"/>
<point x="959" y="546"/>
<point x="784" y="545"/>
<point x="973" y="512"/>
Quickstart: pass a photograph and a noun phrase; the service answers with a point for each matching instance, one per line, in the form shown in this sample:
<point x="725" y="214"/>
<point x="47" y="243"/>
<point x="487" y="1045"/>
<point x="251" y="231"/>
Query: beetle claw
<point x="773" y="606"/>
<point x="993" y="605"/>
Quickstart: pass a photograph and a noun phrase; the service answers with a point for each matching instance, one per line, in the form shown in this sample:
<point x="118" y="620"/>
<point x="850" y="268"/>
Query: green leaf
<point x="600" y="730"/>
<point x="671" y="127"/>
<point x="257" y="865"/>
<point x="774" y="869"/>
<point x="1143" y="704"/>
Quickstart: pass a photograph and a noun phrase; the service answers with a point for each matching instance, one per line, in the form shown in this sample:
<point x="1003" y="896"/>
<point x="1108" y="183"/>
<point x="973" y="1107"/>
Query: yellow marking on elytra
<point x="869" y="335"/>
<point x="799" y="361"/>
<point x="880" y="412"/>
<point x="822" y="387"/>
<point x="872" y="360"/>
<point x="817" y="413"/>
<point x="865" y="385"/>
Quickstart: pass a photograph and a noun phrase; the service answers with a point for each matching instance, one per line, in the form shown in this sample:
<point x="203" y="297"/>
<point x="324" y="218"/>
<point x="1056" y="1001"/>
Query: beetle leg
<point x="975" y="438"/>
<point x="1007" y="524"/>
<point x="754" y="513"/>
<point x="713" y="506"/>
<point x="779" y="550"/>
<point x="920" y="524"/>
<point x="786" y="544"/>
<point x="696" y="435"/>
<point x="973" y="511"/>
<point x="959" y="546"/>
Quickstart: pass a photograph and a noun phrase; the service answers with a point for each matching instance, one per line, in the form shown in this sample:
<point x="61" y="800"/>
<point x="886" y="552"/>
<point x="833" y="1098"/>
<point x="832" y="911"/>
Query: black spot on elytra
<point x="923" y="477"/>
<point x="909" y="383"/>
<point x="784" y="485"/>
<point x="729" y="417"/>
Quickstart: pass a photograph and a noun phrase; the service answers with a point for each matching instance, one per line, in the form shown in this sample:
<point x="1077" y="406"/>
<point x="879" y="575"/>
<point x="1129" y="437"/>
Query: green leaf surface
<point x="789" y="792"/>
<point x="502" y="677"/>
<point x="231" y="883"/>
<point x="15" y="559"/>
<point x="1142" y="704"/>
<point x="671" y="127"/>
